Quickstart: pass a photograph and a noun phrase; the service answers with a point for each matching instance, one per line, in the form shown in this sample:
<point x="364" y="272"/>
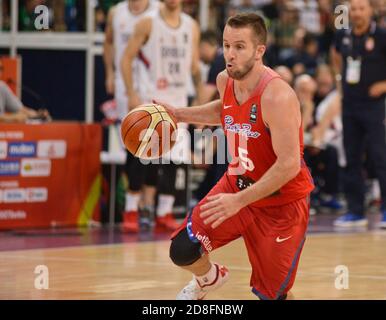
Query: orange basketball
<point x="147" y="131"/>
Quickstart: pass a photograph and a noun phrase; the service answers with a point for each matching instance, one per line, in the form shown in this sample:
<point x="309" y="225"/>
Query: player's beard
<point x="245" y="69"/>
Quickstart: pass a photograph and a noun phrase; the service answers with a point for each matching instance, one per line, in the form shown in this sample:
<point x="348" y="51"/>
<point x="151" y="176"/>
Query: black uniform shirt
<point x="371" y="49"/>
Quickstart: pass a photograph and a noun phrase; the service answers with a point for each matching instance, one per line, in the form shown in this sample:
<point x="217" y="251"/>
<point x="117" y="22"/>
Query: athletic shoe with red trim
<point x="130" y="222"/>
<point x="167" y="222"/>
<point x="197" y="291"/>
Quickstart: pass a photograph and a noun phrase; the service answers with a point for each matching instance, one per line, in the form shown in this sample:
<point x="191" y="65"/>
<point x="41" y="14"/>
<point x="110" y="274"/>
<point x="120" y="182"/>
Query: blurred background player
<point x="119" y="28"/>
<point x="168" y="41"/>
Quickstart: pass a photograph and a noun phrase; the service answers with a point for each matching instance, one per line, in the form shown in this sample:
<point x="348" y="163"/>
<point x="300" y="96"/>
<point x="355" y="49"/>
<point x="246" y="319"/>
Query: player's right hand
<point x="170" y="109"/>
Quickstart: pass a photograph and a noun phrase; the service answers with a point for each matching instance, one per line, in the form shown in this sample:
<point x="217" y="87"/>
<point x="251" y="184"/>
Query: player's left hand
<point x="220" y="207"/>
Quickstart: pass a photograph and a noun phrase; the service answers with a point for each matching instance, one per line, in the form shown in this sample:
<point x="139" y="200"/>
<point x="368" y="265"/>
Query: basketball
<point x="147" y="131"/>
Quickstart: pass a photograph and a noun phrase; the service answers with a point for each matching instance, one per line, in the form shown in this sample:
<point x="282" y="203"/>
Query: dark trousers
<point x="140" y="174"/>
<point x="363" y="129"/>
<point x="324" y="169"/>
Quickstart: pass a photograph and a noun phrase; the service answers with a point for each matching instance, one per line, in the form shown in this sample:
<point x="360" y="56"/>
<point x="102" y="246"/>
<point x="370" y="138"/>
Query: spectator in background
<point x="12" y="109"/>
<point x="211" y="54"/>
<point x="303" y="57"/>
<point x="283" y="29"/>
<point x="327" y="19"/>
<point x="285" y="73"/>
<point x="6" y="19"/>
<point x="191" y="7"/>
<point x="238" y="6"/>
<point x="305" y="88"/>
<point x="100" y="19"/>
<point x="309" y="16"/>
<point x="325" y="154"/>
<point x="75" y="15"/>
<point x="271" y="10"/>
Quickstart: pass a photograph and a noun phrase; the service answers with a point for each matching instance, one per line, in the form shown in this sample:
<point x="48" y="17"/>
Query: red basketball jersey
<point x="250" y="145"/>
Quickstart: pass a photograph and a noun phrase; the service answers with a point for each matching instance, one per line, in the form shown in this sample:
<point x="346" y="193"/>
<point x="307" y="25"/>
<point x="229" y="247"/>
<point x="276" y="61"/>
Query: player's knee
<point x="183" y="251"/>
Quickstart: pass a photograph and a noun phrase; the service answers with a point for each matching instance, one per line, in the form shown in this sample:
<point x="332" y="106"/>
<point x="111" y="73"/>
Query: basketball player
<point x="169" y="42"/>
<point x="264" y="195"/>
<point x="120" y="26"/>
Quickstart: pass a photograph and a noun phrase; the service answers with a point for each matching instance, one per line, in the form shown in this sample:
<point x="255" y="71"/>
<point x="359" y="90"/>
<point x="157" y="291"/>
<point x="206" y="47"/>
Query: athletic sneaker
<point x="167" y="222"/>
<point x="332" y="203"/>
<point x="146" y="218"/>
<point x="351" y="220"/>
<point x="197" y="291"/>
<point x="382" y="223"/>
<point x="130" y="221"/>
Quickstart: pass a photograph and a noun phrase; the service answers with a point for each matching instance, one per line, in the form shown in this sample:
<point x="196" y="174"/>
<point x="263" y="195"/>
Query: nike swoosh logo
<point x="226" y="107"/>
<point x="278" y="239"/>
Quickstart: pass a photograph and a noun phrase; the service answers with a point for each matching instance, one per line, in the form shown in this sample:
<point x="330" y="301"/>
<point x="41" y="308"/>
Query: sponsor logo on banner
<point x="21" y="149"/>
<point x="12" y="215"/>
<point x="9" y="168"/>
<point x="53" y="149"/>
<point x="9" y="184"/>
<point x="11" y="135"/>
<point x="13" y="195"/>
<point x="3" y="149"/>
<point x="36" y="194"/>
<point x="35" y="167"/>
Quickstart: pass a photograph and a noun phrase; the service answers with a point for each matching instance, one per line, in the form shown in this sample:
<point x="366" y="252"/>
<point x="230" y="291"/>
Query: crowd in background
<point x="301" y="33"/>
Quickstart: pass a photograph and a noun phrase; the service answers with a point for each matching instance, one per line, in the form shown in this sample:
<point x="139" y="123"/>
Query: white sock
<point x="132" y="200"/>
<point x="165" y="205"/>
<point x="208" y="277"/>
<point x="376" y="189"/>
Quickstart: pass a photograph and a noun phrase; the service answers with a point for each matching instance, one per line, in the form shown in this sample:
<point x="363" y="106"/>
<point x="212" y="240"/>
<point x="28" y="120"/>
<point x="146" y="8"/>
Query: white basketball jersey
<point x="123" y="27"/>
<point x="169" y="52"/>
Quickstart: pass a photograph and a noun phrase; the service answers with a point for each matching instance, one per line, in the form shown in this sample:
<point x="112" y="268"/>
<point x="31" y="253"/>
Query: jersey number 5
<point x="245" y="161"/>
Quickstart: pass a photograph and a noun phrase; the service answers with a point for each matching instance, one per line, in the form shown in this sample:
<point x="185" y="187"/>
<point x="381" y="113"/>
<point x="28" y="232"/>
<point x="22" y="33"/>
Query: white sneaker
<point x="196" y="291"/>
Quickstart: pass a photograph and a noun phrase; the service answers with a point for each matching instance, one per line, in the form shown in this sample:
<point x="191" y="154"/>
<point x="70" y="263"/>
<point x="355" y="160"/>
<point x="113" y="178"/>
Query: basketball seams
<point x="127" y="131"/>
<point x="153" y="124"/>
<point x="158" y="118"/>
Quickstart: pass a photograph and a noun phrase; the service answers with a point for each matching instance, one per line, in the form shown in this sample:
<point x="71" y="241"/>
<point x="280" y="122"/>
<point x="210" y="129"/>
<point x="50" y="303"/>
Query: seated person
<point x="320" y="156"/>
<point x="13" y="110"/>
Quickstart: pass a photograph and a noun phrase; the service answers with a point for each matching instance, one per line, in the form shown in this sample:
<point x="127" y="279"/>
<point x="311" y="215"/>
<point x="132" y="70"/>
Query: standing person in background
<point x="211" y="54"/>
<point x="359" y="55"/>
<point x="168" y="41"/>
<point x="120" y="27"/>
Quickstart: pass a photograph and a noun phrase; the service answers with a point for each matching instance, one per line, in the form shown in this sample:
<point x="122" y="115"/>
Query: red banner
<point x="50" y="174"/>
<point x="11" y="73"/>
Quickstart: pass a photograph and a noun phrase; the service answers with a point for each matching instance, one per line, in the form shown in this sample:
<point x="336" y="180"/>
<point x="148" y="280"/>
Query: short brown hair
<point x="252" y="20"/>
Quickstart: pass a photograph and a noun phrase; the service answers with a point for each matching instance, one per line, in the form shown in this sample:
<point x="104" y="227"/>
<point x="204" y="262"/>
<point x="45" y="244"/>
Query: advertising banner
<point x="50" y="174"/>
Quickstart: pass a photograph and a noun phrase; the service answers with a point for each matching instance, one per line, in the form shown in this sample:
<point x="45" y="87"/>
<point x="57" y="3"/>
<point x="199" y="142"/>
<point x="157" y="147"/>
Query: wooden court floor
<point x="143" y="270"/>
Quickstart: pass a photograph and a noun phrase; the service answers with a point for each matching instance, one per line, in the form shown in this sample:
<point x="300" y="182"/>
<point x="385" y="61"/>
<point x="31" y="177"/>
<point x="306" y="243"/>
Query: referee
<point x="359" y="56"/>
